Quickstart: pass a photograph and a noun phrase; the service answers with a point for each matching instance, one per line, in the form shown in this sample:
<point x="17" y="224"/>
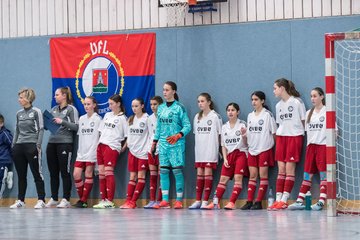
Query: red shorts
<point x="153" y="160"/>
<point x="136" y="164"/>
<point x="264" y="159"/>
<point x="83" y="165"/>
<point x="315" y="159"/>
<point x="288" y="148"/>
<point x="106" y="156"/>
<point x="238" y="164"/>
<point x="212" y="165"/>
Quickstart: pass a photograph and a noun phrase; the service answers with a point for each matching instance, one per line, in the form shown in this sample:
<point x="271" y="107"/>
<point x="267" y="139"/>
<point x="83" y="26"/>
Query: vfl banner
<point x="101" y="66"/>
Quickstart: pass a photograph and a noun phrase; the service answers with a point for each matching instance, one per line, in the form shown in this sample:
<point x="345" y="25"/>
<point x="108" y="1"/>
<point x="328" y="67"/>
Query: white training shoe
<point x="51" y="203"/>
<point x="9" y="180"/>
<point x="297" y="206"/>
<point x="40" y="204"/>
<point x="204" y="204"/>
<point x="195" y="205"/>
<point x="64" y="204"/>
<point x="317" y="206"/>
<point x="18" y="204"/>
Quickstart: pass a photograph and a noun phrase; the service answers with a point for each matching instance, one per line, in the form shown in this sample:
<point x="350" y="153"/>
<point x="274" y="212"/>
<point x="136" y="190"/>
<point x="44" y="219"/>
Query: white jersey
<point x="151" y="123"/>
<point x="231" y="138"/>
<point x="138" y="137"/>
<point x="113" y="130"/>
<point x="289" y="115"/>
<point x="207" y="131"/>
<point x="88" y="137"/>
<point x="316" y="128"/>
<point x="260" y="131"/>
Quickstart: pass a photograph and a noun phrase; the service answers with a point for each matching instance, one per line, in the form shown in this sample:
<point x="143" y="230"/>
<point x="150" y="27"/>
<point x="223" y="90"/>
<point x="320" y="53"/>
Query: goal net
<point x="343" y="67"/>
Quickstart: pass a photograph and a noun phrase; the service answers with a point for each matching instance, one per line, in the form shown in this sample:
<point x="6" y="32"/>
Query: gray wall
<point x="228" y="61"/>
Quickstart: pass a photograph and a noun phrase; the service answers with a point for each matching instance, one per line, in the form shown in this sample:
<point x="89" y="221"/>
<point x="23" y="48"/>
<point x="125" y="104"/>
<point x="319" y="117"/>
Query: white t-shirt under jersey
<point x="231" y="138"/>
<point x="316" y="128"/>
<point x="260" y="131"/>
<point x="138" y="138"/>
<point x="113" y="130"/>
<point x="289" y="115"/>
<point x="207" y="131"/>
<point x="88" y="137"/>
<point x="152" y="122"/>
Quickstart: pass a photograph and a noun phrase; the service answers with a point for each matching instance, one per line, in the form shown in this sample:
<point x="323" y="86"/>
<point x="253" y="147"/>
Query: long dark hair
<point x="93" y="99"/>
<point x="118" y="99"/>
<point x="131" y="118"/>
<point x="235" y="105"/>
<point x="261" y="95"/>
<point x="288" y="85"/>
<point x="321" y="93"/>
<point x="173" y="87"/>
<point x="208" y="98"/>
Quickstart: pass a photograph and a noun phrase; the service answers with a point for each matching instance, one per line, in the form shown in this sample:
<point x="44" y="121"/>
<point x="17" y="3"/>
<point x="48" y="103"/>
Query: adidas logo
<point x="323" y="187"/>
<point x="249" y="189"/>
<point x="235" y="192"/>
<point x="151" y="187"/>
<point x="261" y="189"/>
<point x="242" y="170"/>
<point x="109" y="163"/>
<point x="208" y="164"/>
<point x="292" y="159"/>
<point x="64" y="152"/>
<point x="35" y="157"/>
<point x="265" y="163"/>
<point x="143" y="166"/>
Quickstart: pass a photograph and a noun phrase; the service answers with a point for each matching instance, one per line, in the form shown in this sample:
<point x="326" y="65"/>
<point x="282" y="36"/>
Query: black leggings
<point x="25" y="154"/>
<point x="58" y="160"/>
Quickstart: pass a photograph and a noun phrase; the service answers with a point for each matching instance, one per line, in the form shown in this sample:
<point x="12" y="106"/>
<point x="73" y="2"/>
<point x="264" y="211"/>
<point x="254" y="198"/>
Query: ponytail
<point x="173" y="87"/>
<point x="66" y="90"/>
<point x="288" y="85"/>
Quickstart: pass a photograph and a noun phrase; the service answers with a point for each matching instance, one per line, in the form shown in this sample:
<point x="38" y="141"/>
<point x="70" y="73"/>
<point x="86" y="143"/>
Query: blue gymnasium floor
<point x="173" y="224"/>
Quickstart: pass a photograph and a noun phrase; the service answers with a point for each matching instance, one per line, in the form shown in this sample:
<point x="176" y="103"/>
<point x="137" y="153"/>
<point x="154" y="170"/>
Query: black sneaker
<point x="247" y="206"/>
<point x="80" y="204"/>
<point x="256" y="206"/>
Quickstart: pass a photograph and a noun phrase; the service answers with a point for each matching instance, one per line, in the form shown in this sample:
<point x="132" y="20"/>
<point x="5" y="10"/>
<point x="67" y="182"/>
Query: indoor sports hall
<point x="227" y="48"/>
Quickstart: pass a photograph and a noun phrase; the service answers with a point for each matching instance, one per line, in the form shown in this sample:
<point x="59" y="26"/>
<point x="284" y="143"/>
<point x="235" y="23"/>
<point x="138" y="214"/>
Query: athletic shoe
<point x="204" y="204"/>
<point x="51" y="203"/>
<point x="100" y="205"/>
<point x="256" y="206"/>
<point x="297" y="206"/>
<point x="9" y="180"/>
<point x="281" y="205"/>
<point x="317" y="206"/>
<point x="212" y="206"/>
<point x="64" y="204"/>
<point x="150" y="205"/>
<point x="273" y="207"/>
<point x="156" y="205"/>
<point x="109" y="204"/>
<point x="18" y="204"/>
<point x="80" y="204"/>
<point x="247" y="205"/>
<point x="195" y="205"/>
<point x="129" y="205"/>
<point x="125" y="204"/>
<point x="164" y="204"/>
<point x="178" y="205"/>
<point x="230" y="206"/>
<point x="40" y="204"/>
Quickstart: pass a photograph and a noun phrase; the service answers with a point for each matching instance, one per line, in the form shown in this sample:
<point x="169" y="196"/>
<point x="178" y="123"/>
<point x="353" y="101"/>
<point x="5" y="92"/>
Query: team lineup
<point x="156" y="143"/>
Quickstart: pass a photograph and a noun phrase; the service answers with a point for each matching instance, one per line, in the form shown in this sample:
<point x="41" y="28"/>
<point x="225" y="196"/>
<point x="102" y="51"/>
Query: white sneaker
<point x="297" y="206"/>
<point x="40" y="204"/>
<point x="64" y="204"/>
<point x="100" y="205"/>
<point x="103" y="204"/>
<point x="51" y="203"/>
<point x="9" y="180"/>
<point x="317" y="206"/>
<point x="18" y="204"/>
<point x="195" y="205"/>
<point x="204" y="204"/>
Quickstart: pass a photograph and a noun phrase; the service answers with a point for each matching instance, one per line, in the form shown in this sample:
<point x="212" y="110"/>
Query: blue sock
<point x="165" y="183"/>
<point x="179" y="178"/>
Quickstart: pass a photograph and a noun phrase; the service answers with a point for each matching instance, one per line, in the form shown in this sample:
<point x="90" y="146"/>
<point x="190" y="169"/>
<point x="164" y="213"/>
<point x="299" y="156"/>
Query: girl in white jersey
<point x="315" y="160"/>
<point x="86" y="155"/>
<point x="112" y="142"/>
<point x="207" y="130"/>
<point x="261" y="129"/>
<point x="153" y="159"/>
<point x="137" y="142"/>
<point x="234" y="150"/>
<point x="290" y="115"/>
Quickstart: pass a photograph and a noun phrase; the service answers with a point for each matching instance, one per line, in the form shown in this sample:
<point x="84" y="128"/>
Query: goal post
<point x="342" y="84"/>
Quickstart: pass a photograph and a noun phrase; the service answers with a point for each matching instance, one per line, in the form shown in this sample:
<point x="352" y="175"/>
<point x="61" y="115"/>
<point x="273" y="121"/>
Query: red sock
<point x="139" y="188"/>
<point x="102" y="183"/>
<point x="289" y="183"/>
<point x="220" y="189"/>
<point x="79" y="184"/>
<point x="280" y="182"/>
<point x="251" y="190"/>
<point x="264" y="183"/>
<point x="305" y="187"/>
<point x="130" y="190"/>
<point x="87" y="188"/>
<point x="199" y="187"/>
<point x="235" y="194"/>
<point x="153" y="184"/>
<point x="110" y="184"/>
<point x="208" y="186"/>
<point x="323" y="191"/>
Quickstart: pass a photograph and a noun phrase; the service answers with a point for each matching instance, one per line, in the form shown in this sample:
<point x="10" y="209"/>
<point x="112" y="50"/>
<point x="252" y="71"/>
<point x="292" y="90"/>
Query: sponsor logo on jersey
<point x="314" y="126"/>
<point x="136" y="131"/>
<point x="286" y="116"/>
<point x="166" y="120"/>
<point x="87" y="130"/>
